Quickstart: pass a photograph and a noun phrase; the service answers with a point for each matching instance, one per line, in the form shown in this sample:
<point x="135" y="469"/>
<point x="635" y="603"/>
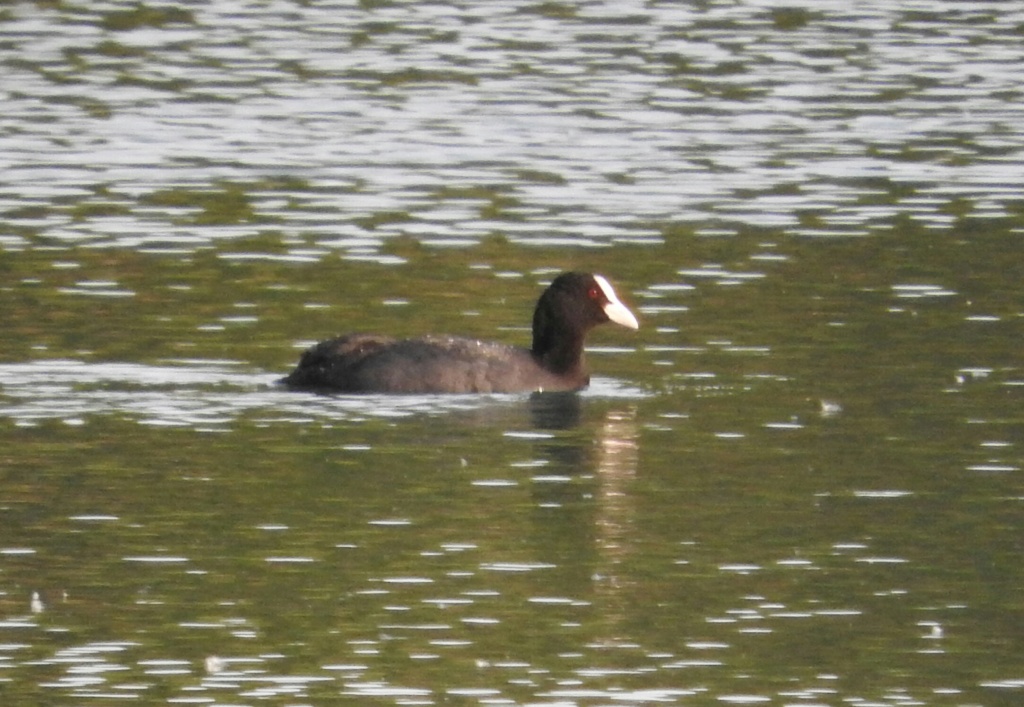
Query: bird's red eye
<point x="593" y="293"/>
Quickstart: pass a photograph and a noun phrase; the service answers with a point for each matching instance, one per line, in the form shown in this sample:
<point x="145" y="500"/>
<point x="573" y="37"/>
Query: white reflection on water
<point x="210" y="395"/>
<point x="639" y="113"/>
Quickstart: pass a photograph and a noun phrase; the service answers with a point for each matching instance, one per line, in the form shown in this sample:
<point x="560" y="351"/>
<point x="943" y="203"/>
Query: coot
<point x="572" y="305"/>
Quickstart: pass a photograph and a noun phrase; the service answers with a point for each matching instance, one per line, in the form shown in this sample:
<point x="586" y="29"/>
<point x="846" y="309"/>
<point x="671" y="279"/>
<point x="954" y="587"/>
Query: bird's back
<point x="433" y="364"/>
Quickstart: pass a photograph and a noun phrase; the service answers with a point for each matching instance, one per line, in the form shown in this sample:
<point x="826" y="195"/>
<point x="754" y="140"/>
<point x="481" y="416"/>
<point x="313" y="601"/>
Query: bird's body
<point x="431" y="364"/>
<point x="359" y="363"/>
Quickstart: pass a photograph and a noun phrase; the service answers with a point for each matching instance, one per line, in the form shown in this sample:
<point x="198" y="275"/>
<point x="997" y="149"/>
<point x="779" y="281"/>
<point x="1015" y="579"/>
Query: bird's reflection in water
<point x="584" y="512"/>
<point x="618" y="456"/>
<point x="555" y="411"/>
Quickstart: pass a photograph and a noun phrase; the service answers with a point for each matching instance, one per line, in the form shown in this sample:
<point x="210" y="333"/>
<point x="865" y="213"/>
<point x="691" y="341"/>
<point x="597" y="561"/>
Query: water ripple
<point x="657" y="114"/>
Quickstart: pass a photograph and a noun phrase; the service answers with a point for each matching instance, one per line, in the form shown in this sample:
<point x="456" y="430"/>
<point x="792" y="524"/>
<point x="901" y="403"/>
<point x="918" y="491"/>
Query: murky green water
<point x="798" y="484"/>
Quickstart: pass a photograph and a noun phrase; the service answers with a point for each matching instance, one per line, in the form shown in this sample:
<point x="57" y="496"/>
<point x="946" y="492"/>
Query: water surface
<point x="798" y="484"/>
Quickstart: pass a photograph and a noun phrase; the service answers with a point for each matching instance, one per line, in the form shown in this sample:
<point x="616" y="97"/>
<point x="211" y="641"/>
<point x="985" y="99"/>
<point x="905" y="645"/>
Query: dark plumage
<point x="572" y="305"/>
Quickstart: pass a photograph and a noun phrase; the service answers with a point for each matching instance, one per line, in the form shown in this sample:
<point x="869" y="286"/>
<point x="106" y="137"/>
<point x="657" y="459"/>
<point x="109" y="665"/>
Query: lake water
<point x="799" y="483"/>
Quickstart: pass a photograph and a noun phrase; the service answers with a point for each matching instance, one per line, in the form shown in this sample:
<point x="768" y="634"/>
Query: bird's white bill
<point x="616" y="311"/>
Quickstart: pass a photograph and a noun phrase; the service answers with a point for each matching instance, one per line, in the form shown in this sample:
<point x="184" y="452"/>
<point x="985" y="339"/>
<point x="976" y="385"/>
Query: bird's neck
<point x="561" y="355"/>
